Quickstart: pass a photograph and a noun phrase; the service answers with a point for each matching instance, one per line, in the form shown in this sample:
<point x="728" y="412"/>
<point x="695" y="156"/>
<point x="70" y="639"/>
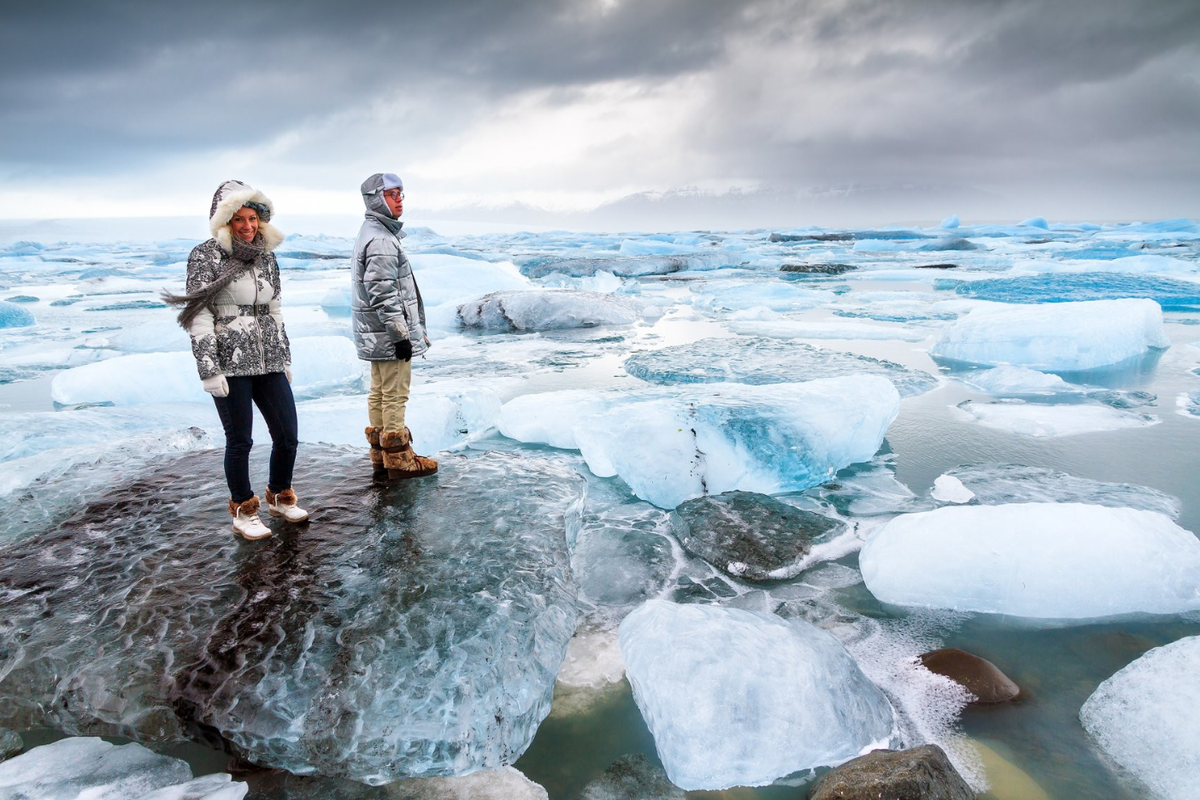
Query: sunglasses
<point x="394" y="194"/>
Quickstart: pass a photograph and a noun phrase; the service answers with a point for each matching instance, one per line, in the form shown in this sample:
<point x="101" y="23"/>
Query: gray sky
<point x="1072" y="109"/>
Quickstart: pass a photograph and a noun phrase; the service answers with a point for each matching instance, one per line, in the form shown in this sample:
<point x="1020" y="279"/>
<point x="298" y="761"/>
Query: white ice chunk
<point x="1040" y="420"/>
<point x="1017" y="380"/>
<point x="741" y="698"/>
<point x="549" y="309"/>
<point x="672" y="444"/>
<point x="445" y="279"/>
<point x="1054" y="336"/>
<point x="951" y="221"/>
<point x="319" y="364"/>
<point x="88" y="768"/>
<point x="1036" y="222"/>
<point x="1147" y="718"/>
<point x="949" y="489"/>
<point x="1044" y="560"/>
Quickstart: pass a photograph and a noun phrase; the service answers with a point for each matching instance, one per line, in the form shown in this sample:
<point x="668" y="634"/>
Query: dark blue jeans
<point x="273" y="395"/>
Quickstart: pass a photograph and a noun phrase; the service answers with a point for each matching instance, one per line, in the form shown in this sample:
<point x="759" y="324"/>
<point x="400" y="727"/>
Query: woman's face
<point x="245" y="223"/>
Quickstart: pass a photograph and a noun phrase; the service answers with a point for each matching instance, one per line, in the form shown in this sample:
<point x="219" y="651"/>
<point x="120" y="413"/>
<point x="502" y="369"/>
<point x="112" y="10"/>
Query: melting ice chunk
<point x="1039" y="419"/>
<point x="1042" y="560"/>
<point x="673" y="444"/>
<point x="88" y="768"/>
<point x="737" y="697"/>
<point x="552" y="309"/>
<point x="1054" y="337"/>
<point x="1147" y="718"/>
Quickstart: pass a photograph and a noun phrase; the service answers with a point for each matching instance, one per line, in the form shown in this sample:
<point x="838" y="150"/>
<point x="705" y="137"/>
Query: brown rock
<point x="922" y="773"/>
<point x="981" y="677"/>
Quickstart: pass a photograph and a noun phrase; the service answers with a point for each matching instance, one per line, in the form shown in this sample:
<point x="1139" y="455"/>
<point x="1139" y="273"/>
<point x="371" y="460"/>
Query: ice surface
<point x="13" y="316"/>
<point x="1147" y="719"/>
<point x="320" y="365"/>
<point x="776" y="326"/>
<point x="737" y="697"/>
<point x="751" y="536"/>
<point x="87" y="768"/>
<point x="625" y="266"/>
<point x="997" y="484"/>
<point x="451" y="279"/>
<point x="1170" y="293"/>
<point x="1060" y="337"/>
<point x="776" y="295"/>
<point x="673" y="444"/>
<point x="764" y="361"/>
<point x="1188" y="404"/>
<point x="949" y="489"/>
<point x="551" y="309"/>
<point x="625" y="556"/>
<point x="411" y="629"/>
<point x="1040" y="419"/>
<point x="1041" y="560"/>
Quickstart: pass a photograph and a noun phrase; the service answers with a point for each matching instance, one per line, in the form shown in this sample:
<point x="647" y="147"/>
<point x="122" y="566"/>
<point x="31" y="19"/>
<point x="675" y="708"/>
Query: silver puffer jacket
<point x="386" y="305"/>
<point x="241" y="332"/>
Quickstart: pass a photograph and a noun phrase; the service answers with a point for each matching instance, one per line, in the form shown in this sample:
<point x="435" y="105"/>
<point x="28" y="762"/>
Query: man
<point x="389" y="326"/>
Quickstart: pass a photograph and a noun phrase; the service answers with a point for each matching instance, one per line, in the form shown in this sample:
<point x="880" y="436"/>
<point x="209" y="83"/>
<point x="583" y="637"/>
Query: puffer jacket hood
<point x="372" y="195"/>
<point x="231" y="196"/>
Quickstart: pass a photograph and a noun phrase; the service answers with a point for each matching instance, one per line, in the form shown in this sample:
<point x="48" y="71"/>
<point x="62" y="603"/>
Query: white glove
<point x="287" y="372"/>
<point x="217" y="386"/>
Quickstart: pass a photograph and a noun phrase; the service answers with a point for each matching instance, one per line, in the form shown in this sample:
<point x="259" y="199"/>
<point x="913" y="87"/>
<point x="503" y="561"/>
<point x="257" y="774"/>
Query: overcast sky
<point x="1073" y="109"/>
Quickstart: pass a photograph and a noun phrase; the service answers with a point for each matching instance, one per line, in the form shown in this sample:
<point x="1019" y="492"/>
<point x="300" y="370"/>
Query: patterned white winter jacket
<point x="243" y="334"/>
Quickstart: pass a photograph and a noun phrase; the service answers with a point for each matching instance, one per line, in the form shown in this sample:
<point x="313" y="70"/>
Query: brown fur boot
<point x="284" y="505"/>
<point x="376" y="449"/>
<point x="399" y="458"/>
<point x="246" y="522"/>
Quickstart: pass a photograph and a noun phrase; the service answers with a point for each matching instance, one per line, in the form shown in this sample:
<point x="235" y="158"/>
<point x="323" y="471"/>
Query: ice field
<point x="704" y="498"/>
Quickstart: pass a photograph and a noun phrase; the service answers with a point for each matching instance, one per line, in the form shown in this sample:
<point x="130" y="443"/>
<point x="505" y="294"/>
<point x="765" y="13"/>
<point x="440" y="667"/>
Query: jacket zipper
<point x="262" y="349"/>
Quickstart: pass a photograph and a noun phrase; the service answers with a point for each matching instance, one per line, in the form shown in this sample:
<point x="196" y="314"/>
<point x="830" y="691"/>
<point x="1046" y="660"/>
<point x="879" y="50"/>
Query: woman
<point x="232" y="312"/>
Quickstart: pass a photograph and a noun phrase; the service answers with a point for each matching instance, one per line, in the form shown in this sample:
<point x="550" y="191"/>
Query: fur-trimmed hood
<point x="231" y="196"/>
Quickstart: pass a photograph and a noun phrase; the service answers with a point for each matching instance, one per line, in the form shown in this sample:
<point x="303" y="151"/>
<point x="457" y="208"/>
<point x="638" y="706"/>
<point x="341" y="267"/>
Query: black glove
<point x="404" y="350"/>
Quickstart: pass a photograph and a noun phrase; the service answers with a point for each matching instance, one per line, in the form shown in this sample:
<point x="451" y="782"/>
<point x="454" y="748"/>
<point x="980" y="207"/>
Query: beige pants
<point x="390" y="384"/>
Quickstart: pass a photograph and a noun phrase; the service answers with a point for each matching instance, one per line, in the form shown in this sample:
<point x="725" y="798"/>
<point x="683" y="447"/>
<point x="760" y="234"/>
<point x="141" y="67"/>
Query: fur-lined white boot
<point x="284" y="505"/>
<point x="246" y="522"/>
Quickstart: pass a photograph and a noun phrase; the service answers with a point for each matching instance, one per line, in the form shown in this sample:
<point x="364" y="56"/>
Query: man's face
<point x="395" y="201"/>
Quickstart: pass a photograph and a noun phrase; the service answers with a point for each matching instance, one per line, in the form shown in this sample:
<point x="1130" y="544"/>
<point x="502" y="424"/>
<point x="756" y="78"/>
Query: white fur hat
<point x="231" y="196"/>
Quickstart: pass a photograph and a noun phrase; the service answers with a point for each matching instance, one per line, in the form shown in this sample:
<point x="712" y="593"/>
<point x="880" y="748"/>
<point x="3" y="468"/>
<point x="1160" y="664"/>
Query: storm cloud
<point x="1086" y="109"/>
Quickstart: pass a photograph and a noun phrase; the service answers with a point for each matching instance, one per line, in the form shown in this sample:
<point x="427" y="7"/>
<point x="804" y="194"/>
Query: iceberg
<point x="1040" y="560"/>
<point x="1170" y="293"/>
<point x="1058" y="338"/>
<point x="411" y="629"/>
<point x="87" y="768"/>
<point x="1147" y="719"/>
<point x="550" y="309"/>
<point x="742" y="698"/>
<point x="764" y="361"/>
<point x="670" y="445"/>
<point x="320" y="365"/>
<point x="13" y="316"/>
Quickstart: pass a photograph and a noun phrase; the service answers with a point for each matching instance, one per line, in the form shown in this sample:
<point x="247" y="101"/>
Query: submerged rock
<point x="749" y="535"/>
<point x="408" y="630"/>
<point x="757" y="360"/>
<point x="632" y="777"/>
<point x="922" y="773"/>
<point x="10" y="744"/>
<point x="979" y="676"/>
<point x="741" y="698"/>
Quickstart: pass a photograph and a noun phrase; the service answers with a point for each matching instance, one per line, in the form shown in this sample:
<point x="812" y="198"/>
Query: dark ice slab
<point x="749" y="535"/>
<point x="408" y="630"/>
<point x="759" y="360"/>
<point x="1171" y="294"/>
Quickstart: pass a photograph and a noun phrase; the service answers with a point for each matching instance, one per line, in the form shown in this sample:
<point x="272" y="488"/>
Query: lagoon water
<point x="98" y="388"/>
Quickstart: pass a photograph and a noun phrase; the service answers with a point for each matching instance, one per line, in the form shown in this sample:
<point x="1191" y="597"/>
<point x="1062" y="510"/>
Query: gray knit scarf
<point x="244" y="256"/>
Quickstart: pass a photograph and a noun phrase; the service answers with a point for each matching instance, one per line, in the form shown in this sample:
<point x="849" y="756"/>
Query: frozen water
<point x="87" y="768"/>
<point x="451" y="279"/>
<point x="1060" y="337"/>
<point x="413" y="629"/>
<point x="751" y="536"/>
<point x="13" y="316"/>
<point x="949" y="489"/>
<point x="627" y="265"/>
<point x="1147" y="719"/>
<point x="1016" y="381"/>
<point x="670" y="445"/>
<point x="1188" y="404"/>
<point x="1039" y="419"/>
<point x="997" y="484"/>
<point x="775" y="295"/>
<point x="1036" y="222"/>
<point x="741" y="698"/>
<point x="764" y="361"/>
<point x="550" y="309"/>
<point x="1040" y="560"/>
<point x="1170" y="293"/>
<point x="776" y="326"/>
<point x="951" y="221"/>
<point x="320" y="365"/>
<point x="625" y="556"/>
